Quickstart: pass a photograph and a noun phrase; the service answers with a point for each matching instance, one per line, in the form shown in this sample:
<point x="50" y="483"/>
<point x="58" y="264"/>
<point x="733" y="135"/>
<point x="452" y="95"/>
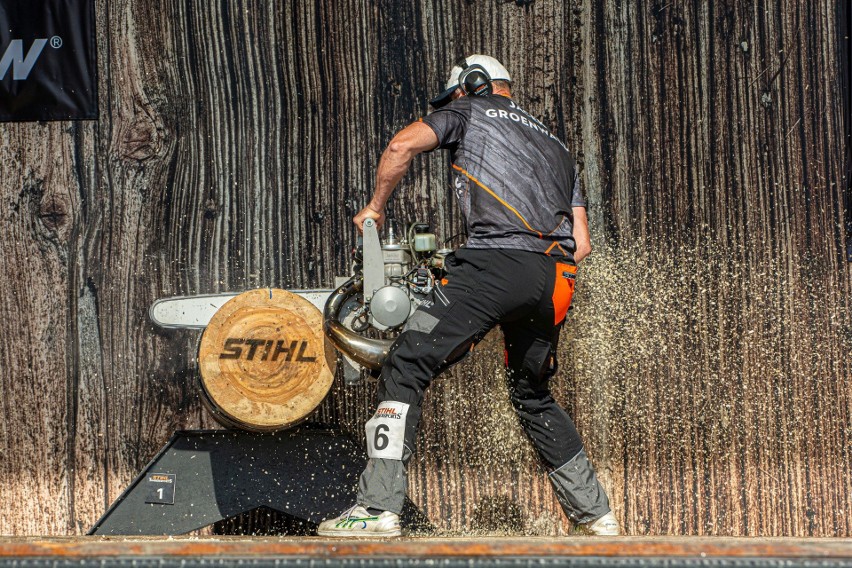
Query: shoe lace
<point x="348" y="512"/>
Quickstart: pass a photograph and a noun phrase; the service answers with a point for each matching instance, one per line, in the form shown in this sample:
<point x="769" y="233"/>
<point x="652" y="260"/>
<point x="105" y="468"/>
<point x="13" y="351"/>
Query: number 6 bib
<point x="386" y="431"/>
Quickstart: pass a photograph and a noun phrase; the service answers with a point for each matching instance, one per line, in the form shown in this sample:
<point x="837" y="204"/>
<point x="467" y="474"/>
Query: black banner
<point x="48" y="69"/>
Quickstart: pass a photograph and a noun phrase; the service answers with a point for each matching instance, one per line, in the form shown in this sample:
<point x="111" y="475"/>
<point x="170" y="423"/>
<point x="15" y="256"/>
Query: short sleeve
<point x="450" y="122"/>
<point x="577" y="199"/>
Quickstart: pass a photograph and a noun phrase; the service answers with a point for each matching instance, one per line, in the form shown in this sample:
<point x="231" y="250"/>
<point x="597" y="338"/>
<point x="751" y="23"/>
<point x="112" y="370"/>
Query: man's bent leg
<point x="439" y="333"/>
<point x="383" y="484"/>
<point x="531" y="362"/>
<point x="392" y="431"/>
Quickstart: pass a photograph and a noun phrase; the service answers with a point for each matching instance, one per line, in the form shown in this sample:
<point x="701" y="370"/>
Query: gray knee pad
<point x="581" y="495"/>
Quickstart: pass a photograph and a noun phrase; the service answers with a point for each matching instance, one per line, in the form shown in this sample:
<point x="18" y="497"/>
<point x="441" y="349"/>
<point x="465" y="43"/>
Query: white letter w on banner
<point x="14" y="57"/>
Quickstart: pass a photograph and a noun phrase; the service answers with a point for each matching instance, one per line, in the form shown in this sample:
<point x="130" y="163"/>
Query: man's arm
<point x="581" y="234"/>
<point x="408" y="142"/>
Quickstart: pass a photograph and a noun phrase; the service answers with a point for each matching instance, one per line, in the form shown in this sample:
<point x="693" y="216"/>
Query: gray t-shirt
<point x="515" y="181"/>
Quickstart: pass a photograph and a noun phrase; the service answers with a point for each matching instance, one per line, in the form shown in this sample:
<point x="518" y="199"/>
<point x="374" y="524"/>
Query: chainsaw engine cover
<point x="390" y="306"/>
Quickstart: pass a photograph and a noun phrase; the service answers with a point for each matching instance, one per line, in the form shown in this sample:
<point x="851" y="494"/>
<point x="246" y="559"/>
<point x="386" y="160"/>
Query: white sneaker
<point x="358" y="522"/>
<point x="605" y="526"/>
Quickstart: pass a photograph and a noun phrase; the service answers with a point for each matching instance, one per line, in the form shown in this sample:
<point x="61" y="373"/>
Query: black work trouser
<point x="527" y="294"/>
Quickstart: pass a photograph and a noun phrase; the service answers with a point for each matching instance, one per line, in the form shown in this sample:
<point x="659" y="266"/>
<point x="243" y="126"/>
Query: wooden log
<point x="264" y="361"/>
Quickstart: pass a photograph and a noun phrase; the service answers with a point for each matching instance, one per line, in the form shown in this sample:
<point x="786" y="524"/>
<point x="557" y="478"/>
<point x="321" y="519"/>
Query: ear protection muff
<point x="474" y="80"/>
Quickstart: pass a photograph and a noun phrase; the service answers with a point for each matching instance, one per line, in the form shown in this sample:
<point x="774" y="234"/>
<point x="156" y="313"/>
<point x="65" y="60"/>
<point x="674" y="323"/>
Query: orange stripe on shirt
<point x="495" y="196"/>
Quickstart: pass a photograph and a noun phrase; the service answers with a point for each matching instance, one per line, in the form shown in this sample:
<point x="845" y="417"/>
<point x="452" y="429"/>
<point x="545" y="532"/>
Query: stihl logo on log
<point x="269" y="350"/>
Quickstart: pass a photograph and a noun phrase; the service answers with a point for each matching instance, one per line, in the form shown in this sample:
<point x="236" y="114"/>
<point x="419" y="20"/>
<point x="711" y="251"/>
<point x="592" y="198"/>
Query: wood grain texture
<point x="726" y="233"/>
<point x="264" y="361"/>
<point x="707" y="360"/>
<point x="42" y="209"/>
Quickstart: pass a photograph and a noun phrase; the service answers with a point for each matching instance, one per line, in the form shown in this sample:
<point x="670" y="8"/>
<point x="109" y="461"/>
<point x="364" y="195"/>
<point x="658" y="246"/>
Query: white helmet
<point x="494" y="68"/>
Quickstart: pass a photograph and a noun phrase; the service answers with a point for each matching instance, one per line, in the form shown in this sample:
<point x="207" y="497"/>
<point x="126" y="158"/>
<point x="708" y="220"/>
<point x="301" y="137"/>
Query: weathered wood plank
<point x="751" y="255"/>
<point x="45" y="168"/>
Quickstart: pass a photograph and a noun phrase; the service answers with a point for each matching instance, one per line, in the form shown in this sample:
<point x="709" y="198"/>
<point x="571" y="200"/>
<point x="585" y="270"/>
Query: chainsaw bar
<point x="195" y="312"/>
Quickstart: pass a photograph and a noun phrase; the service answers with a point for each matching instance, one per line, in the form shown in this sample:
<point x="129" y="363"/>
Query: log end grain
<point x="264" y="361"/>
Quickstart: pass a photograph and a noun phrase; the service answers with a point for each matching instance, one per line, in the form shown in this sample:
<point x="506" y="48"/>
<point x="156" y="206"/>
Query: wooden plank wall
<point x="707" y="360"/>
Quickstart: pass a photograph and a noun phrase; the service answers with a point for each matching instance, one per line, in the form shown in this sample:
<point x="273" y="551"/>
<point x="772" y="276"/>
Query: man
<point x="527" y="228"/>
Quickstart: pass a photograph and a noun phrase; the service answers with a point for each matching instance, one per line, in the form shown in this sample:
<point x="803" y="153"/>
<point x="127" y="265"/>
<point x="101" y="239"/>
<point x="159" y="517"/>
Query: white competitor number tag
<point x="386" y="431"/>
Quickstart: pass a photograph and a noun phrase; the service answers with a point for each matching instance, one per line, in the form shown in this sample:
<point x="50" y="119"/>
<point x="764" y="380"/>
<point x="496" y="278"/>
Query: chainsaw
<point x="363" y="314"/>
